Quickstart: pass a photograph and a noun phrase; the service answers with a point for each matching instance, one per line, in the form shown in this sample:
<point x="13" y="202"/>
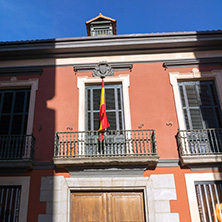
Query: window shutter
<point x="200" y="104"/>
<point x="114" y="106"/>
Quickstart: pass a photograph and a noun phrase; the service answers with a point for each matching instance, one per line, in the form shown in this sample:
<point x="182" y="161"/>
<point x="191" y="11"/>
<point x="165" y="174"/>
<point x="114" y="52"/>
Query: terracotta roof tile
<point x="100" y="16"/>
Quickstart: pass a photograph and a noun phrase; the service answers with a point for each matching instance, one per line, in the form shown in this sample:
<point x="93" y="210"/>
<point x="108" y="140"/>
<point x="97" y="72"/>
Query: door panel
<point x="107" y="207"/>
<point x="88" y="207"/>
<point x="126" y="207"/>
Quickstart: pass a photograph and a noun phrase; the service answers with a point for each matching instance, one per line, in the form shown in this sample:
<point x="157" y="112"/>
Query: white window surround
<point x="33" y="83"/>
<point x="191" y="192"/>
<point x="195" y="74"/>
<point x="82" y="81"/>
<point x="24" y="182"/>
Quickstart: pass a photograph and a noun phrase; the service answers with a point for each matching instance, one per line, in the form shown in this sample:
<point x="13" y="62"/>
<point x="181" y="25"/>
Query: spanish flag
<point x="104" y="124"/>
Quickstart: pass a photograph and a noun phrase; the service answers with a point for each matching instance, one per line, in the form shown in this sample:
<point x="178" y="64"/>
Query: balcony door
<point x="14" y="108"/>
<point x="202" y="116"/>
<point x="115" y="114"/>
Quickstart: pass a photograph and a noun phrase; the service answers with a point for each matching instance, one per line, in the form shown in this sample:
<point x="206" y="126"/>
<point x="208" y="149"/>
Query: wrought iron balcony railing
<point x="17" y="147"/>
<point x="200" y="142"/>
<point x="116" y="143"/>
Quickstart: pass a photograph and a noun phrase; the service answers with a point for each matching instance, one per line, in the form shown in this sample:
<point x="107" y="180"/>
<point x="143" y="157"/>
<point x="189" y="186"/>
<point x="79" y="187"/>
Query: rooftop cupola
<point x="101" y="25"/>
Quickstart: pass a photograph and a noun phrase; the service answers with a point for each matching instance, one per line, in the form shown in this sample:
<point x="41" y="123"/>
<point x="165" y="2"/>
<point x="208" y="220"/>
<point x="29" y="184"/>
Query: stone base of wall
<point x="158" y="191"/>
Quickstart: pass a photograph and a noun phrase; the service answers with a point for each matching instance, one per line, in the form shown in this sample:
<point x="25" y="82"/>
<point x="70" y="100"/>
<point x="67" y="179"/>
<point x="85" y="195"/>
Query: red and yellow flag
<point x="104" y="124"/>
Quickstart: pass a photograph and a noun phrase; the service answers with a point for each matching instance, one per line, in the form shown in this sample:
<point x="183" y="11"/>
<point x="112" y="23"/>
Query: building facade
<point x="160" y="159"/>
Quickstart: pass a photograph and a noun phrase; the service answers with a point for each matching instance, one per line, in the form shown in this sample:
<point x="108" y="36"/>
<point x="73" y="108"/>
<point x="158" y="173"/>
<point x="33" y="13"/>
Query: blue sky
<point x="42" y="19"/>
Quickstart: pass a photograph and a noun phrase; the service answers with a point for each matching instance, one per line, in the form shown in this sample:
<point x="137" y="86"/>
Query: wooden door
<point x="107" y="207"/>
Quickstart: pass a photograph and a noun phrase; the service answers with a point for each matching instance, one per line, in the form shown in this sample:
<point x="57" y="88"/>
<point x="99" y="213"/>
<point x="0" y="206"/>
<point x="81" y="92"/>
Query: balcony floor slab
<point x="87" y="161"/>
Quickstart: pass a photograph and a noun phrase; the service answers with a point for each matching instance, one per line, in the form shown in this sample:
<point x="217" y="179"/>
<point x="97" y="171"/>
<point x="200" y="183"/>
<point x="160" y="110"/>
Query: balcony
<point x="123" y="147"/>
<point x="200" y="146"/>
<point x="16" y="151"/>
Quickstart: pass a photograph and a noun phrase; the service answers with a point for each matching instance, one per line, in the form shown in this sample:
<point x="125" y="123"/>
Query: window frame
<point x="24" y="182"/>
<point x="198" y="106"/>
<point x="82" y="81"/>
<point x="23" y="114"/>
<point x="190" y="179"/>
<point x="195" y="74"/>
<point x="117" y="109"/>
<point x="33" y="85"/>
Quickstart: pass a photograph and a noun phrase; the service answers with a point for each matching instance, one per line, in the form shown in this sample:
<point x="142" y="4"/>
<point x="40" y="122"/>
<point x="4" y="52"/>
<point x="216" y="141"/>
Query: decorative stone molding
<point x="89" y="67"/>
<point x="82" y="81"/>
<point x="102" y="70"/>
<point x="192" y="62"/>
<point x="15" y="71"/>
<point x="158" y="191"/>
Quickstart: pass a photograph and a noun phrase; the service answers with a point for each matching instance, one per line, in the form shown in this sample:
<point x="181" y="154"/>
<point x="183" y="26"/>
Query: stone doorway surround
<point x="158" y="191"/>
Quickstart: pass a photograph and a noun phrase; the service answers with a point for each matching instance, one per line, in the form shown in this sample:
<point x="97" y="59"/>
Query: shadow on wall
<point x="44" y="133"/>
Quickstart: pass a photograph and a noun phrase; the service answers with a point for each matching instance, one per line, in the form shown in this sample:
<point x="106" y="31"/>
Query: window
<point x="9" y="203"/>
<point x="209" y="198"/>
<point x="14" y="107"/>
<point x="204" y="192"/>
<point x="101" y="28"/>
<point x="194" y="75"/>
<point x="17" y="103"/>
<point x="197" y="98"/>
<point x="14" y="196"/>
<point x="200" y="105"/>
<point x="114" y="107"/>
<point x="117" y="100"/>
<point x="84" y="81"/>
<point x="201" y="111"/>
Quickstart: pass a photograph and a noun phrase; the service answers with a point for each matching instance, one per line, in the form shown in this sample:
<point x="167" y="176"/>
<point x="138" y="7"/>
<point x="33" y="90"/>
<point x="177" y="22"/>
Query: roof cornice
<point x="112" y="45"/>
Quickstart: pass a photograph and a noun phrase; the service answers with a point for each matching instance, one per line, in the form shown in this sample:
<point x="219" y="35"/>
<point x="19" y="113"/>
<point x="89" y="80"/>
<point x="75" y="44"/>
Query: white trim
<point x="83" y="80"/>
<point x="33" y="83"/>
<point x="215" y="75"/>
<point x="191" y="192"/>
<point x="19" y="181"/>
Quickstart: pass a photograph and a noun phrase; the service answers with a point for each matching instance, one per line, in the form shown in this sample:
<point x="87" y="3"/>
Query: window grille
<point x="9" y="203"/>
<point x="209" y="198"/>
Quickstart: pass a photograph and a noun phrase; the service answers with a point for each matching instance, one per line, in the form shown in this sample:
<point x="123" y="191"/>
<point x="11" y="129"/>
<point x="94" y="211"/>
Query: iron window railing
<point x="209" y="199"/>
<point x="16" y="147"/>
<point x="200" y="142"/>
<point x="9" y="203"/>
<point x="116" y="143"/>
